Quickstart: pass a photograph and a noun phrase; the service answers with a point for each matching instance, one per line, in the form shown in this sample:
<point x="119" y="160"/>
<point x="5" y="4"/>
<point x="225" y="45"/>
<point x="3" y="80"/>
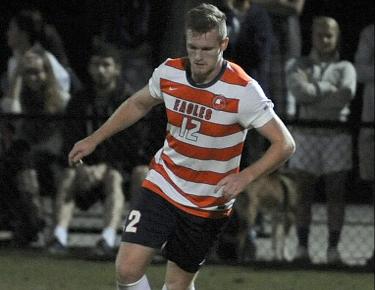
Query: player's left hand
<point x="232" y="185"/>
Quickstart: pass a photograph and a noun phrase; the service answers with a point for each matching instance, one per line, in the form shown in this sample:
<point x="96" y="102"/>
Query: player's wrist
<point x="249" y="174"/>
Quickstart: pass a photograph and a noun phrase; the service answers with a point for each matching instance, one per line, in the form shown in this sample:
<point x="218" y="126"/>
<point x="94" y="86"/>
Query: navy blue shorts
<point x="185" y="238"/>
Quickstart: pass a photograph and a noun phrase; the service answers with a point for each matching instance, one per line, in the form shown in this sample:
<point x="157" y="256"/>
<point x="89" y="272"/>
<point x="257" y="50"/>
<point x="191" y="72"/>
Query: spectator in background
<point x="250" y="45"/>
<point x="19" y="211"/>
<point x="344" y="15"/>
<point x="26" y="30"/>
<point x="34" y="157"/>
<point x="364" y="64"/>
<point x="251" y="49"/>
<point x="126" y="25"/>
<point x="287" y="43"/>
<point x="101" y="178"/>
<point x="323" y="87"/>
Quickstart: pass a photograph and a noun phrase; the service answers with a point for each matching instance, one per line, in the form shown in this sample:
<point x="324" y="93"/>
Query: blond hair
<point x="205" y="18"/>
<point x="51" y="91"/>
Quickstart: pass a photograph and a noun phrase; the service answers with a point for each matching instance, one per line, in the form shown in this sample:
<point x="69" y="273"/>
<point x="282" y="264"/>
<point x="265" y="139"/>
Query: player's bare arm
<point x="281" y="148"/>
<point x="129" y="112"/>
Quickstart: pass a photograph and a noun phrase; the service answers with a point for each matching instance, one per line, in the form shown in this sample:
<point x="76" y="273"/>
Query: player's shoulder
<point x="235" y="75"/>
<point x="177" y="63"/>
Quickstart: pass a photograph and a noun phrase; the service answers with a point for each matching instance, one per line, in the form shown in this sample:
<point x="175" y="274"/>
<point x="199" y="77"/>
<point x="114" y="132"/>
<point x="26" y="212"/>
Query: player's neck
<point x="203" y="79"/>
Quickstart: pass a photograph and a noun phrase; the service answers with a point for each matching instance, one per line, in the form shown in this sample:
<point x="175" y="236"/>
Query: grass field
<point x="33" y="270"/>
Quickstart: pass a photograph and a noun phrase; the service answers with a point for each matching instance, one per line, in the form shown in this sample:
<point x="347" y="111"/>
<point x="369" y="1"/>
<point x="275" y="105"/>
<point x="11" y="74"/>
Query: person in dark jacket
<point x="102" y="175"/>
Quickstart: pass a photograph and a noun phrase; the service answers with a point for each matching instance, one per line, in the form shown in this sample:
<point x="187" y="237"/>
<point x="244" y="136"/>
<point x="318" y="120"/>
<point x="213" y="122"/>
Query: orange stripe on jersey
<point x="219" y="154"/>
<point x="207" y="128"/>
<point x="194" y="211"/>
<point x="179" y="63"/>
<point x="200" y="201"/>
<point x="198" y="96"/>
<point x="206" y="177"/>
<point x="235" y="75"/>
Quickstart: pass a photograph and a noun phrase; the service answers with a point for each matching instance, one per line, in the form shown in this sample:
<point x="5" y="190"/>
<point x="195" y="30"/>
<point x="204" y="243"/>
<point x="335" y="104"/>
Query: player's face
<point x="103" y="70"/>
<point x="325" y="38"/>
<point x="205" y="53"/>
<point x="34" y="73"/>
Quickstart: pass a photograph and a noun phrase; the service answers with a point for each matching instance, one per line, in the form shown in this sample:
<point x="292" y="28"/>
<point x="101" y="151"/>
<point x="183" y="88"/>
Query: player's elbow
<point x="289" y="147"/>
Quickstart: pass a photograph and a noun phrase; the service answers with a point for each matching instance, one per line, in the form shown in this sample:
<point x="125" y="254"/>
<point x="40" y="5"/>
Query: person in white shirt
<point x="322" y="87"/>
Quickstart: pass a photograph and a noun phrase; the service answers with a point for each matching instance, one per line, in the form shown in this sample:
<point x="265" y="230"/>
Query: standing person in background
<point x="364" y="64"/>
<point x="251" y="49"/>
<point x="252" y="46"/>
<point x="194" y="179"/>
<point x="287" y="43"/>
<point x="323" y="87"/>
<point x="126" y="25"/>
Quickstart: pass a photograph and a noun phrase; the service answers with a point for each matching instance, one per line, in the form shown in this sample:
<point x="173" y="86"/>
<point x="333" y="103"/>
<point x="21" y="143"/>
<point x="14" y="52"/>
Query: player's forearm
<point x="275" y="156"/>
<point x="122" y="118"/>
<point x="126" y="115"/>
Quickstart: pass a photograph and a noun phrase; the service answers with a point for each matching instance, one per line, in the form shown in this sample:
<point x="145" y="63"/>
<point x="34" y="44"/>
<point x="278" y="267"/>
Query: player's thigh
<point x="192" y="239"/>
<point x="132" y="261"/>
<point x="151" y="220"/>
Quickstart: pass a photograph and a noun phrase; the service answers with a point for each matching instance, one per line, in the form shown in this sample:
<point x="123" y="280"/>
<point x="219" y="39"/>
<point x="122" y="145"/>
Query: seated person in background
<point x="37" y="143"/>
<point x="101" y="177"/>
<point x="18" y="211"/>
<point x="323" y="87"/>
<point x="26" y="30"/>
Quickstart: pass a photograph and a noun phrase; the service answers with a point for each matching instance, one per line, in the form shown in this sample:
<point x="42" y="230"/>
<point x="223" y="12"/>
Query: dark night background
<point x="77" y="22"/>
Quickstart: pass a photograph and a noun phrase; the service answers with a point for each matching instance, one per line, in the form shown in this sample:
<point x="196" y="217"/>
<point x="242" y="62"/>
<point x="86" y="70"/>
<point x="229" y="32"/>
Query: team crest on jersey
<point x="219" y="102"/>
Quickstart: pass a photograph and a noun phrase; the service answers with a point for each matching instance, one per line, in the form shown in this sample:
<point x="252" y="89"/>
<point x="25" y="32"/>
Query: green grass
<point x="33" y="270"/>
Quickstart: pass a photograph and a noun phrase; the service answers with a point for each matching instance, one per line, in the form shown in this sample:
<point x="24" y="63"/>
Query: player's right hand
<point x="81" y="149"/>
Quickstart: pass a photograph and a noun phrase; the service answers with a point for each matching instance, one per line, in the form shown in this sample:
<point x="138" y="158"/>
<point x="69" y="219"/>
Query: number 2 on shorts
<point x="134" y="217"/>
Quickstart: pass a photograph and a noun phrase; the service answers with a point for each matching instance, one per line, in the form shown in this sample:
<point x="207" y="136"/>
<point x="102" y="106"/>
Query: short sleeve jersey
<point x="206" y="130"/>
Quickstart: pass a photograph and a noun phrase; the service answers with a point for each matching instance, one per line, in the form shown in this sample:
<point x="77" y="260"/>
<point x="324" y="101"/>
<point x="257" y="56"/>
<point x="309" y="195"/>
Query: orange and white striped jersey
<point x="207" y="126"/>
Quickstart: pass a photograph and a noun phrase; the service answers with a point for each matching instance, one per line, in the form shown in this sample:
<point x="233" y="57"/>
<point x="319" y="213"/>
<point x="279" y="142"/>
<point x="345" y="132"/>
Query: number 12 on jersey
<point x="190" y="128"/>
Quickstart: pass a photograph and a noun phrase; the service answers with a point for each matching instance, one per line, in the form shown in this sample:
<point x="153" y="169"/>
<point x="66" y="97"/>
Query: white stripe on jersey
<point x="165" y="186"/>
<point x="202" y="165"/>
<point x="189" y="187"/>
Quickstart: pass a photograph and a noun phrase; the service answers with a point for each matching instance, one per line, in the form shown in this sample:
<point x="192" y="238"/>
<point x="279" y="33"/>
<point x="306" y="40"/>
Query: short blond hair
<point x="205" y="18"/>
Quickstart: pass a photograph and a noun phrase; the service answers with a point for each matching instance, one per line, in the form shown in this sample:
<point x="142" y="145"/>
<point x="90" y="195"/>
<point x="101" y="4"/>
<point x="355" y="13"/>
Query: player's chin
<point x="200" y="74"/>
<point x="199" y="68"/>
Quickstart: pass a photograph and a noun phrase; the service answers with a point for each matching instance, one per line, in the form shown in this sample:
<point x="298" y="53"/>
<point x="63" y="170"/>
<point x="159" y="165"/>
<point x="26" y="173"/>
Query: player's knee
<point x="127" y="274"/>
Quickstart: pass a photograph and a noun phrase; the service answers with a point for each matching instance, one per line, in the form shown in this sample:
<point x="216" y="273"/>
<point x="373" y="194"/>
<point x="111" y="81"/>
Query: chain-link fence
<point x="323" y="149"/>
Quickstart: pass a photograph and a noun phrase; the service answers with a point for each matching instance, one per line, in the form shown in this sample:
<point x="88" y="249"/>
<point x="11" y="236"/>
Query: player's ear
<point x="224" y="43"/>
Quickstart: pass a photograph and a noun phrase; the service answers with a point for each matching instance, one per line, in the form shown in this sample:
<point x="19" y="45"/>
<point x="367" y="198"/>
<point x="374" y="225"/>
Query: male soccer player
<point x="194" y="178"/>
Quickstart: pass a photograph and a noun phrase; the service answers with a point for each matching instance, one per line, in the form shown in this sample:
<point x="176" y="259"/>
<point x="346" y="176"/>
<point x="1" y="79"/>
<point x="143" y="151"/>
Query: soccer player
<point x="194" y="178"/>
